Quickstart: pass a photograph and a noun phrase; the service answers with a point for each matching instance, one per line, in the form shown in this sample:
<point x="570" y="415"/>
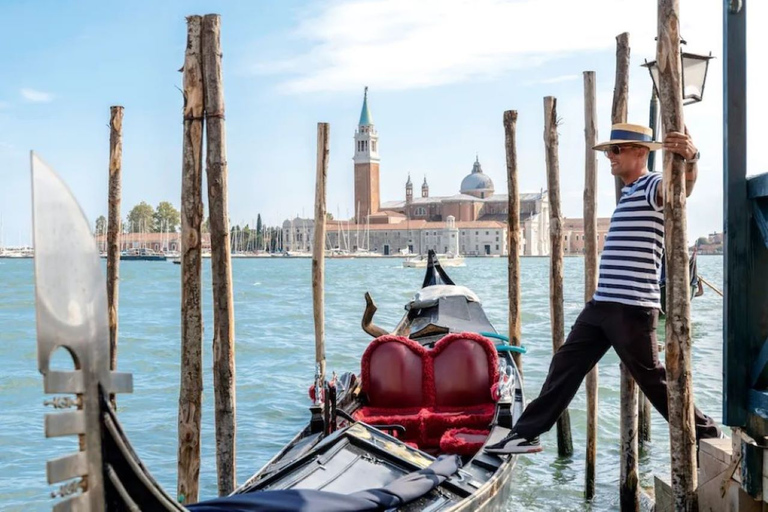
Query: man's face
<point x="626" y="158"/>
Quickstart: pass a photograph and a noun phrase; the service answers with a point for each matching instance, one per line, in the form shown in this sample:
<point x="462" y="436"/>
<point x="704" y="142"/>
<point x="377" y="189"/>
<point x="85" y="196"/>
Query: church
<point x="472" y="222"/>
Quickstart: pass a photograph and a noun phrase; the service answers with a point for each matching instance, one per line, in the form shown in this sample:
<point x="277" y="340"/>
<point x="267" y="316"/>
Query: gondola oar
<point x="710" y="285"/>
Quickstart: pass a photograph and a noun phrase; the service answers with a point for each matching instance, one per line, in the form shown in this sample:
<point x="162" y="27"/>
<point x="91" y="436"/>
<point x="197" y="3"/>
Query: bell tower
<point x="367" y="200"/>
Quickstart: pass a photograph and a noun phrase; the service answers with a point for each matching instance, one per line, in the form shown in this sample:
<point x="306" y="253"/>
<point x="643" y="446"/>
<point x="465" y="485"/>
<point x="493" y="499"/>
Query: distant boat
<point x="446" y="260"/>
<point x="141" y="255"/>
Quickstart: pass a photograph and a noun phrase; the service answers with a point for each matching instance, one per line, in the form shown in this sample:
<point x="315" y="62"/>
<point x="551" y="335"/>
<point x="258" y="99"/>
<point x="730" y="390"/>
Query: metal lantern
<point x="694" y="75"/>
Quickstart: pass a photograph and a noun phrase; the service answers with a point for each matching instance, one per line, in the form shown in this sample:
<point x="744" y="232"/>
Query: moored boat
<point x="141" y="255"/>
<point x="446" y="260"/>
<point x="405" y="433"/>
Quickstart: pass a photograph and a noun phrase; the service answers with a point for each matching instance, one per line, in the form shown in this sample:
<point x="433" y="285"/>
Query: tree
<point x="702" y="241"/>
<point x="101" y="225"/>
<point x="259" y="235"/>
<point x="141" y="218"/>
<point x="167" y="218"/>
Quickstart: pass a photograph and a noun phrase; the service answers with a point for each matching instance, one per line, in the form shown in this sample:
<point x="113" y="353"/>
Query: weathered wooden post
<point x="629" y="485"/>
<point x="644" y="405"/>
<point x="318" y="248"/>
<point x="221" y="268"/>
<point x="191" y="385"/>
<point x="564" y="441"/>
<point x="682" y="433"/>
<point x="513" y="234"/>
<point x="113" y="227"/>
<point x="590" y="264"/>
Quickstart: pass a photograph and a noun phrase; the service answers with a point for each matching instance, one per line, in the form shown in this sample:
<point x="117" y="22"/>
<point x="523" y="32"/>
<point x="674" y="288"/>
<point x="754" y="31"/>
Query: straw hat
<point x="630" y="134"/>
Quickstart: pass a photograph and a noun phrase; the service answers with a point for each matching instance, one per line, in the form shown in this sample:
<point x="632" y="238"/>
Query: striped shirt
<point x="631" y="260"/>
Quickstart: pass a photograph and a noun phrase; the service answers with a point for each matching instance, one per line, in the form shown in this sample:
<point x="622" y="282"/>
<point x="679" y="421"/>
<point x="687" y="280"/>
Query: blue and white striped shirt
<point x="631" y="260"/>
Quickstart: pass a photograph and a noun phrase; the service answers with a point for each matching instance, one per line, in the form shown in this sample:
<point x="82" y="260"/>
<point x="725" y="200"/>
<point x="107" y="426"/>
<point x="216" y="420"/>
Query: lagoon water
<point x="275" y="354"/>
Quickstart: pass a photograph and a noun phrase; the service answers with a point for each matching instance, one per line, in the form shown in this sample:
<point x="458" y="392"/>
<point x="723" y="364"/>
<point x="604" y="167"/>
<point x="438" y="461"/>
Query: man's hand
<point x="681" y="144"/>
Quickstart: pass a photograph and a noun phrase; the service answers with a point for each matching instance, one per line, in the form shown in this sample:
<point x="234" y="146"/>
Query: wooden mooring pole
<point x="113" y="228"/>
<point x="644" y="405"/>
<point x="682" y="433"/>
<point x="513" y="235"/>
<point x="564" y="441"/>
<point x="590" y="264"/>
<point x="318" y="248"/>
<point x="191" y="385"/>
<point x="221" y="265"/>
<point x="629" y="484"/>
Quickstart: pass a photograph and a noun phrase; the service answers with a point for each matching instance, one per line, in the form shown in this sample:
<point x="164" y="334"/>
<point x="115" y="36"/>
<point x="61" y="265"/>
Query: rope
<point x="710" y="285"/>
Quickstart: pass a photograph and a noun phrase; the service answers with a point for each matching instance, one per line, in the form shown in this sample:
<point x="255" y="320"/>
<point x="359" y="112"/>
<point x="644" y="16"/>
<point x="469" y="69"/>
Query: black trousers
<point x="631" y="331"/>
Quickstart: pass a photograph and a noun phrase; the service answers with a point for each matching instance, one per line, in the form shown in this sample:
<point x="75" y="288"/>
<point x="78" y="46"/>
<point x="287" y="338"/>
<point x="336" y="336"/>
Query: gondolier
<point x="624" y="310"/>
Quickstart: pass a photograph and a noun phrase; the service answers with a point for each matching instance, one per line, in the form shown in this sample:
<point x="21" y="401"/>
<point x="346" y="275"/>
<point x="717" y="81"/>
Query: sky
<point x="440" y="75"/>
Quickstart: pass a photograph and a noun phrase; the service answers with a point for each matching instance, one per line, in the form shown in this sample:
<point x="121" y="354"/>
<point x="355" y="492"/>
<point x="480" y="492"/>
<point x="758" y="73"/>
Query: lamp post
<point x="694" y="75"/>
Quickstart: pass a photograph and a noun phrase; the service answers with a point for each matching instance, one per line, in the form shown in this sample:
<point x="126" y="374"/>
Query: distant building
<point x="472" y="222"/>
<point x="573" y="235"/>
<point x="160" y="242"/>
<point x="710" y="244"/>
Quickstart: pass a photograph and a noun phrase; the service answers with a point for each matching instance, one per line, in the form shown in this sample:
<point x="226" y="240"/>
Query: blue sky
<point x="440" y="73"/>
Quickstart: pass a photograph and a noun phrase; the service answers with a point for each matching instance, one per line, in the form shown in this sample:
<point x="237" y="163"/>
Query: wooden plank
<point x="513" y="236"/>
<point x="191" y="382"/>
<point x="682" y="430"/>
<point x="221" y="265"/>
<point x="113" y="227"/>
<point x="318" y="248"/>
<point x="564" y="440"/>
<point x="590" y="265"/>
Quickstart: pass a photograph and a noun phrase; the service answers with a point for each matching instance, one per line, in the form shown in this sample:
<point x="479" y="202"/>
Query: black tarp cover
<point x="399" y="492"/>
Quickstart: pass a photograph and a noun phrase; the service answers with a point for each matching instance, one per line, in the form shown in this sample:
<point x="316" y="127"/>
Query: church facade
<point x="472" y="222"/>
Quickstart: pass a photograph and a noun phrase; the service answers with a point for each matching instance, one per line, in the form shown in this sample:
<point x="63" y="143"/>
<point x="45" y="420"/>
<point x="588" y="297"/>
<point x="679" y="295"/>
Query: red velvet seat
<point x="393" y="380"/>
<point x="429" y="391"/>
<point x="464" y="370"/>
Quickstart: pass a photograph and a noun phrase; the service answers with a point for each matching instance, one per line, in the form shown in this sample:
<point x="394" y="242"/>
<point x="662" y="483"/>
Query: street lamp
<point x="694" y="75"/>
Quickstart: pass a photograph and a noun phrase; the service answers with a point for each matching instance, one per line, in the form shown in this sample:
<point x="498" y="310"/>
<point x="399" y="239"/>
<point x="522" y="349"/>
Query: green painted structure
<point x="745" y="315"/>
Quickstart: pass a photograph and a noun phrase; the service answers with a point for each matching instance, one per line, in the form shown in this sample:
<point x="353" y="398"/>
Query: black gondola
<point x="406" y="433"/>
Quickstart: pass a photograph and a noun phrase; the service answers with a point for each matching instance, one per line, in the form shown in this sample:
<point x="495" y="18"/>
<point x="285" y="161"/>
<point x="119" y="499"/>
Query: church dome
<point x="477" y="183"/>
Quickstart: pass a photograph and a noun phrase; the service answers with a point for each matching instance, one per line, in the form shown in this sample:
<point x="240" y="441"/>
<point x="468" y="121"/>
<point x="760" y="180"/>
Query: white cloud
<point x="36" y="96"/>
<point x="401" y="44"/>
<point x="554" y="80"/>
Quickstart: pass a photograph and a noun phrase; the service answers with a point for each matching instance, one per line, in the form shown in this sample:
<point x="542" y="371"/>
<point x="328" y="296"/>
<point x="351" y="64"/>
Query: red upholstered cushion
<point x="465" y="368"/>
<point x="463" y="441"/>
<point x="410" y="418"/>
<point x="438" y="420"/>
<point x="392" y="372"/>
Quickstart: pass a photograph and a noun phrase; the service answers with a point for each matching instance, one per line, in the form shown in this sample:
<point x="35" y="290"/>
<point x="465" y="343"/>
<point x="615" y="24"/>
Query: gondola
<point x="696" y="286"/>
<point x="404" y="433"/>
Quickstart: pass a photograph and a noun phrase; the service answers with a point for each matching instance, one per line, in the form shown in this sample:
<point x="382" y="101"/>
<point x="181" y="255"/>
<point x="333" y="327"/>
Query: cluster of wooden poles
<point x="635" y="409"/>
<point x="204" y="103"/>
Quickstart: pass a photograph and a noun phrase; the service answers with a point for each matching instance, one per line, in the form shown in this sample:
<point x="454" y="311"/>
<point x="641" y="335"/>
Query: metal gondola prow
<point x="71" y="313"/>
<point x="435" y="273"/>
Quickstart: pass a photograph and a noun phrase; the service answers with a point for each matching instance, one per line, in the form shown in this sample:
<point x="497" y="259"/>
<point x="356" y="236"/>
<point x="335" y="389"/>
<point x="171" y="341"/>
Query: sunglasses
<point x="616" y="149"/>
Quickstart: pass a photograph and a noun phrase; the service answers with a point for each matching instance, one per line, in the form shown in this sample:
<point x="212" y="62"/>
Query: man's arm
<point x="682" y="144"/>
